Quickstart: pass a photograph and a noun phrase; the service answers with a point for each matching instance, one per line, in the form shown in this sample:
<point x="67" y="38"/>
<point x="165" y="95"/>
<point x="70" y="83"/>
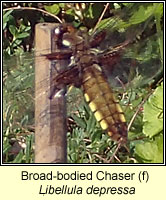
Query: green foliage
<point x="18" y="106"/>
<point x="54" y="9"/>
<point x="87" y="143"/>
<point x="6" y="18"/>
<point x="16" y="34"/>
<point x="153" y="111"/>
<point x="150" y="151"/>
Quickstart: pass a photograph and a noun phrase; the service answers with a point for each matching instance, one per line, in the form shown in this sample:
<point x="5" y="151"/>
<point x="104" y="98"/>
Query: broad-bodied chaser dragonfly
<point x="85" y="71"/>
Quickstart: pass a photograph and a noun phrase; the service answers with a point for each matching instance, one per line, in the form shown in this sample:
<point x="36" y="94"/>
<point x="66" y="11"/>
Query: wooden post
<point x="50" y="113"/>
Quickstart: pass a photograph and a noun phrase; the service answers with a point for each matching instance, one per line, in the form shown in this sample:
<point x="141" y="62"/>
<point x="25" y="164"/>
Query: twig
<point x="138" y="109"/>
<point x="102" y="14"/>
<point x="32" y="8"/>
<point x="115" y="152"/>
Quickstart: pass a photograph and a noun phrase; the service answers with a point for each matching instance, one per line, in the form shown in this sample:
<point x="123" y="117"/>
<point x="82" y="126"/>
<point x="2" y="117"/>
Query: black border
<point x="83" y="164"/>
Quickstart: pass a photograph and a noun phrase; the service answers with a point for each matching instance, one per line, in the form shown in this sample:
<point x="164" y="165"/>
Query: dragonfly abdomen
<point x="103" y="103"/>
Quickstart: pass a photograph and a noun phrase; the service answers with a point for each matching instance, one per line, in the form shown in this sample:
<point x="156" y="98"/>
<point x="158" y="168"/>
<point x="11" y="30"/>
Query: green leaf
<point x="128" y="4"/>
<point x="89" y="13"/>
<point x="22" y="35"/>
<point x="6" y="147"/>
<point x="95" y="136"/>
<point x="151" y="152"/>
<point x="13" y="30"/>
<point x="158" y="9"/>
<point x="54" y="9"/>
<point x="142" y="14"/>
<point x="29" y="143"/>
<point x="61" y="5"/>
<point x="79" y="121"/>
<point x="6" y="18"/>
<point x="6" y="15"/>
<point x="153" y="108"/>
<point x="117" y="6"/>
<point x="91" y="124"/>
<point x="24" y="28"/>
<point x="107" y="23"/>
<point x="70" y="12"/>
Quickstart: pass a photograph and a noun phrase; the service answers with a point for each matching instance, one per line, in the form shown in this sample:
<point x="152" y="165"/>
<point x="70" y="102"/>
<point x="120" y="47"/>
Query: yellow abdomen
<point x="103" y="103"/>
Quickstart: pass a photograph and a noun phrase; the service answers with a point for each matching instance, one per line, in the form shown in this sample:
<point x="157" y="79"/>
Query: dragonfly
<point x="94" y="61"/>
<point x="84" y="72"/>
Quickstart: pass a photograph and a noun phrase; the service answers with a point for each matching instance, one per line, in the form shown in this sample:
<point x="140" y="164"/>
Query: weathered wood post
<point x="50" y="113"/>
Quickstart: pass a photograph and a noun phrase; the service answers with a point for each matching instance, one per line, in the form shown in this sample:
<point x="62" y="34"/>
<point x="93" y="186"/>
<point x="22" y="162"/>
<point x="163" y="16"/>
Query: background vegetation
<point x="142" y="98"/>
